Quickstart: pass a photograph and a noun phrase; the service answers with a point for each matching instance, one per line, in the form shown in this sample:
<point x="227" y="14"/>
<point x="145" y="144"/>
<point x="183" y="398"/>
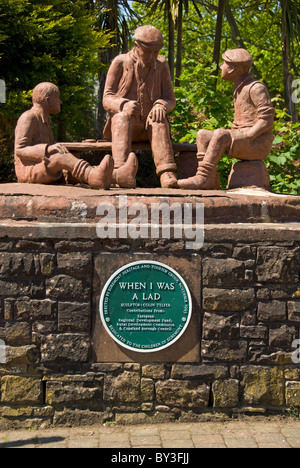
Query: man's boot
<point x="125" y="176"/>
<point x="168" y="180"/>
<point x="207" y="178"/>
<point x="97" y="177"/>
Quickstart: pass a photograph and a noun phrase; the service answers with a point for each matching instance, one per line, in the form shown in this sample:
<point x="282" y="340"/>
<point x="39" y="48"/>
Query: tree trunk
<point x="218" y="35"/>
<point x="179" y="43"/>
<point x="236" y="35"/>
<point x="286" y="61"/>
<point x="111" y="23"/>
<point x="171" y="58"/>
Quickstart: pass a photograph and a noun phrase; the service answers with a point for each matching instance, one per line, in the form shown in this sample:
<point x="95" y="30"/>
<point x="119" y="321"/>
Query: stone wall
<point x="246" y="316"/>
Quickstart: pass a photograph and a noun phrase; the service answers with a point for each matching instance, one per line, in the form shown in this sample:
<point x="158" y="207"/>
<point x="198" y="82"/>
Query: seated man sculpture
<point x="138" y="96"/>
<point x="251" y="135"/>
<point x="39" y="160"/>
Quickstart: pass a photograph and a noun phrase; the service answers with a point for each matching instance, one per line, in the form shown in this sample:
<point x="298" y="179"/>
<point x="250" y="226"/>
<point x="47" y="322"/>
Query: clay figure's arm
<point x="24" y="149"/>
<point x="168" y="97"/>
<point x="265" y="111"/>
<point x="112" y="103"/>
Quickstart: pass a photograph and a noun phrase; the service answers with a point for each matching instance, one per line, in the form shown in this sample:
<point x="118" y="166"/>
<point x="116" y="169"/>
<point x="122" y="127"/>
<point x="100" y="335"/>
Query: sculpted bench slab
<point x="186" y="162"/>
<point x="104" y="145"/>
<point x="243" y="173"/>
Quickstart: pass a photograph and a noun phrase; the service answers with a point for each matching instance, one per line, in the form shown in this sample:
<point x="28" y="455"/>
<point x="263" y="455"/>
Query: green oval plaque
<point x="145" y="306"/>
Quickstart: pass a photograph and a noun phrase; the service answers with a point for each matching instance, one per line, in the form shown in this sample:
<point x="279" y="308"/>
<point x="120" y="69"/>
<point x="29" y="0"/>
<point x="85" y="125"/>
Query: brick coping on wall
<point x="31" y="202"/>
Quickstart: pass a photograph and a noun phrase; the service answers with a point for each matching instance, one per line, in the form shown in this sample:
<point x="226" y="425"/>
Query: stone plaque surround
<point x="186" y="349"/>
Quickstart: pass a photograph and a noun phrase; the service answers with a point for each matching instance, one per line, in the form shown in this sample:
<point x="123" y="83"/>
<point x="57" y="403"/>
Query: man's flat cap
<point x="149" y="36"/>
<point x="238" y="56"/>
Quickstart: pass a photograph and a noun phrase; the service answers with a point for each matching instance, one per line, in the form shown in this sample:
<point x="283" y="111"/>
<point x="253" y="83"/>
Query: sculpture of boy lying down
<point x="39" y="159"/>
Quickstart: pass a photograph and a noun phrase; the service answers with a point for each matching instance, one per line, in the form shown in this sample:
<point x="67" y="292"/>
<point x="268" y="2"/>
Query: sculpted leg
<point x="97" y="177"/>
<point x="125" y="162"/>
<point x="215" y="144"/>
<point x="161" y="144"/>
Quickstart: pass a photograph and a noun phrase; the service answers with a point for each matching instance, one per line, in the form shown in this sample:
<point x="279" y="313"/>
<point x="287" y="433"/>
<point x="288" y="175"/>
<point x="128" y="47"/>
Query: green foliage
<point x="56" y="41"/>
<point x="49" y="40"/>
<point x="204" y="106"/>
<point x="200" y="102"/>
<point x="284" y="161"/>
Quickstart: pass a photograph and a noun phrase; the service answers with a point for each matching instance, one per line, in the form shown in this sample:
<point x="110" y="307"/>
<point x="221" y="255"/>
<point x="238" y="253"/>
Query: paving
<point x="233" y="434"/>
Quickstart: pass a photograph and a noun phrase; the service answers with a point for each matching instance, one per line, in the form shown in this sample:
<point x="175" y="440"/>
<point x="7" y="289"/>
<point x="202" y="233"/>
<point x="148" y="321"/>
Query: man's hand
<point x="56" y="148"/>
<point x="158" y="114"/>
<point x="131" y="108"/>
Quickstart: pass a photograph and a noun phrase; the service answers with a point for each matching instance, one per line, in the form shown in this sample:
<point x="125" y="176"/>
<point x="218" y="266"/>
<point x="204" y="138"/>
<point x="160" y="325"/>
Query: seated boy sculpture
<point x="251" y="135"/>
<point x="39" y="159"/>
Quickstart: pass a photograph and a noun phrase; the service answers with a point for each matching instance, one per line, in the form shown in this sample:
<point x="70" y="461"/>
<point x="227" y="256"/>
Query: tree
<point x="112" y="16"/>
<point x="290" y="31"/>
<point x="51" y="41"/>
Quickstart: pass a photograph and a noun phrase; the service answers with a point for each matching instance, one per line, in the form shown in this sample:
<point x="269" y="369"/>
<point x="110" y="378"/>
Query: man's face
<point x="54" y="103"/>
<point x="147" y="55"/>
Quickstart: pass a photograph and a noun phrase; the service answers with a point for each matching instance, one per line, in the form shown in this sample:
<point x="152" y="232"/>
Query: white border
<point x="107" y="284"/>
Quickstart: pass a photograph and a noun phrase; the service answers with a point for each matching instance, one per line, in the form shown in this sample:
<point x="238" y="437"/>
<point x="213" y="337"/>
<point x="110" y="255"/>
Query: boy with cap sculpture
<point x="251" y="135"/>
<point x="138" y="96"/>
<point x="39" y="160"/>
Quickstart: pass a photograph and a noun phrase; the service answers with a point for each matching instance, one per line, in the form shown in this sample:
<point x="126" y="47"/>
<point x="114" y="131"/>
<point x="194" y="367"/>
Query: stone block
<point x="201" y="373"/>
<point x="47" y="262"/>
<point x="292" y="394"/>
<point x="147" y="390"/>
<point x="282" y="336"/>
<point x="33" y="309"/>
<point x="182" y="394"/>
<point x="254" y="332"/>
<point x="294" y="311"/>
<point x="21" y="390"/>
<point x="225" y="393"/>
<point x="124" y="388"/>
<point x="263" y="386"/>
<point x="272" y="311"/>
<point x="75" y="391"/>
<point x="249" y="174"/>
<point x="223" y="272"/>
<point x="22" y="355"/>
<point x="66" y="347"/>
<point x="217" y="326"/>
<point x="75" y="263"/>
<point x="18" y="265"/>
<point x="224" y="351"/>
<point x="17" y="333"/>
<point x="64" y="287"/>
<point x="74" y="316"/>
<point x="155" y="371"/>
<point x="228" y="300"/>
<point x="276" y="265"/>
<point x="14" y="288"/>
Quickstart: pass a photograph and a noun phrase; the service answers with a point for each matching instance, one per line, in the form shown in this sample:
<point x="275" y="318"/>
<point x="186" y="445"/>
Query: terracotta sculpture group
<point x="138" y="97"/>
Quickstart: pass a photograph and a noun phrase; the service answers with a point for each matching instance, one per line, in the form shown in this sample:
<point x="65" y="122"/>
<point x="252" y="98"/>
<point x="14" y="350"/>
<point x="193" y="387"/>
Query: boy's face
<point x="54" y="103"/>
<point x="230" y="72"/>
